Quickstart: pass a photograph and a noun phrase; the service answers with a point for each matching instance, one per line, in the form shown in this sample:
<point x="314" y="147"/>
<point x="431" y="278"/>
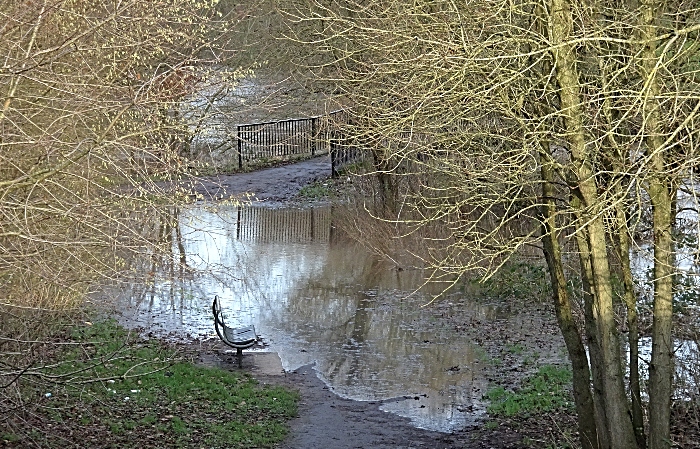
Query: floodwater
<point x="318" y="297"/>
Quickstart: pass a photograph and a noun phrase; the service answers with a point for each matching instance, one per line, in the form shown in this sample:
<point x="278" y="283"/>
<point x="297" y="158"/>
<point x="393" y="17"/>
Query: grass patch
<point x="9" y="438"/>
<point x="491" y="425"/>
<point x="112" y="389"/>
<point x="545" y="391"/>
<point x="315" y="191"/>
<point x="515" y="349"/>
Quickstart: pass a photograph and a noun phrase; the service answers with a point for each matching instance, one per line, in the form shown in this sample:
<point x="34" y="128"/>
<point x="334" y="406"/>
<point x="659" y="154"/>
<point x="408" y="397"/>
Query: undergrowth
<point x="109" y="388"/>
<point x="521" y="280"/>
<point x="546" y="390"/>
<point x="541" y="411"/>
<point x="315" y="191"/>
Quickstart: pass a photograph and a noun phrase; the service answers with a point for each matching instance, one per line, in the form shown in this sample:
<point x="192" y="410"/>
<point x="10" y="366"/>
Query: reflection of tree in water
<point x="146" y="271"/>
<point x="357" y="308"/>
<point x="369" y="340"/>
<point x="322" y="293"/>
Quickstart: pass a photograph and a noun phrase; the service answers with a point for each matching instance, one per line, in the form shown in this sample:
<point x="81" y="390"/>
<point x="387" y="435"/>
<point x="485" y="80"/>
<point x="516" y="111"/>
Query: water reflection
<point x="317" y="296"/>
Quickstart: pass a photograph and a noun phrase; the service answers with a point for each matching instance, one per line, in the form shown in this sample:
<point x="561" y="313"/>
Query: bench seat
<point x="239" y="338"/>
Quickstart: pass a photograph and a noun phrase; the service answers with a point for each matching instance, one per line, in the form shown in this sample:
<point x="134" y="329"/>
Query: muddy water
<point x="315" y="296"/>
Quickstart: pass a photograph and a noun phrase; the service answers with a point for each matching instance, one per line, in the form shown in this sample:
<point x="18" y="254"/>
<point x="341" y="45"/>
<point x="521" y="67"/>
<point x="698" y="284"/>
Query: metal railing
<point x="284" y="139"/>
<point x="296" y="138"/>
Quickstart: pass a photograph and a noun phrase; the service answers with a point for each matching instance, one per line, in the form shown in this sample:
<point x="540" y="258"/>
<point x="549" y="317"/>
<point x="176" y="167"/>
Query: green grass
<point x="532" y="358"/>
<point x="9" y="437"/>
<point x="515" y="349"/>
<point x="135" y="393"/>
<point x="315" y="191"/>
<point x="491" y="425"/>
<point x="545" y="391"/>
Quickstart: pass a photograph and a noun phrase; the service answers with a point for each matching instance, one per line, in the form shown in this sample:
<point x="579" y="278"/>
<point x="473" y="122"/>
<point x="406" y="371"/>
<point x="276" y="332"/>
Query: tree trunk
<point x="592" y="337"/>
<point x="630" y="299"/>
<point x="615" y="400"/>
<point x="387" y="190"/>
<point x="572" y="337"/>
<point x="662" y="365"/>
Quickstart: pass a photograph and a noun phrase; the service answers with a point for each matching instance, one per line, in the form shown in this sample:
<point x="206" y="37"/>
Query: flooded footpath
<point x="318" y="297"/>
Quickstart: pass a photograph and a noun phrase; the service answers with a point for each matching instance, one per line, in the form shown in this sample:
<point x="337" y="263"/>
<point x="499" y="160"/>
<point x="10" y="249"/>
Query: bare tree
<point x="559" y="124"/>
<point x="95" y="97"/>
<point x="99" y="104"/>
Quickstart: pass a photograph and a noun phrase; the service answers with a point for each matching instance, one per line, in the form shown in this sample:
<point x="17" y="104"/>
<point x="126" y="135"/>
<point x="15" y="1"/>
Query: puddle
<point x="315" y="296"/>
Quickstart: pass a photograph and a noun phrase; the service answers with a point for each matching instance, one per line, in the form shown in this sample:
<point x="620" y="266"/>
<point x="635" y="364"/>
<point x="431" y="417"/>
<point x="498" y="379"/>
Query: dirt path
<point x="270" y="185"/>
<point x="328" y="421"/>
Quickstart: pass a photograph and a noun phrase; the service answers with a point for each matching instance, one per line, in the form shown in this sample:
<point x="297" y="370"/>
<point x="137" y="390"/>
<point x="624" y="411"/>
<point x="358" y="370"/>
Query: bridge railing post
<point x="334" y="150"/>
<point x="314" y="136"/>
<point x="239" y="138"/>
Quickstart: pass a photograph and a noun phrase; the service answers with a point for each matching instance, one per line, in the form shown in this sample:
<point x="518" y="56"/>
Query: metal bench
<point x="239" y="338"/>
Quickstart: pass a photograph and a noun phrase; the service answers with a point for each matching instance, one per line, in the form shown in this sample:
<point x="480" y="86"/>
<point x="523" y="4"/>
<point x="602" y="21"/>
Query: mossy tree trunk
<point x="662" y="199"/>
<point x="616" y="409"/>
<point x="583" y="398"/>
